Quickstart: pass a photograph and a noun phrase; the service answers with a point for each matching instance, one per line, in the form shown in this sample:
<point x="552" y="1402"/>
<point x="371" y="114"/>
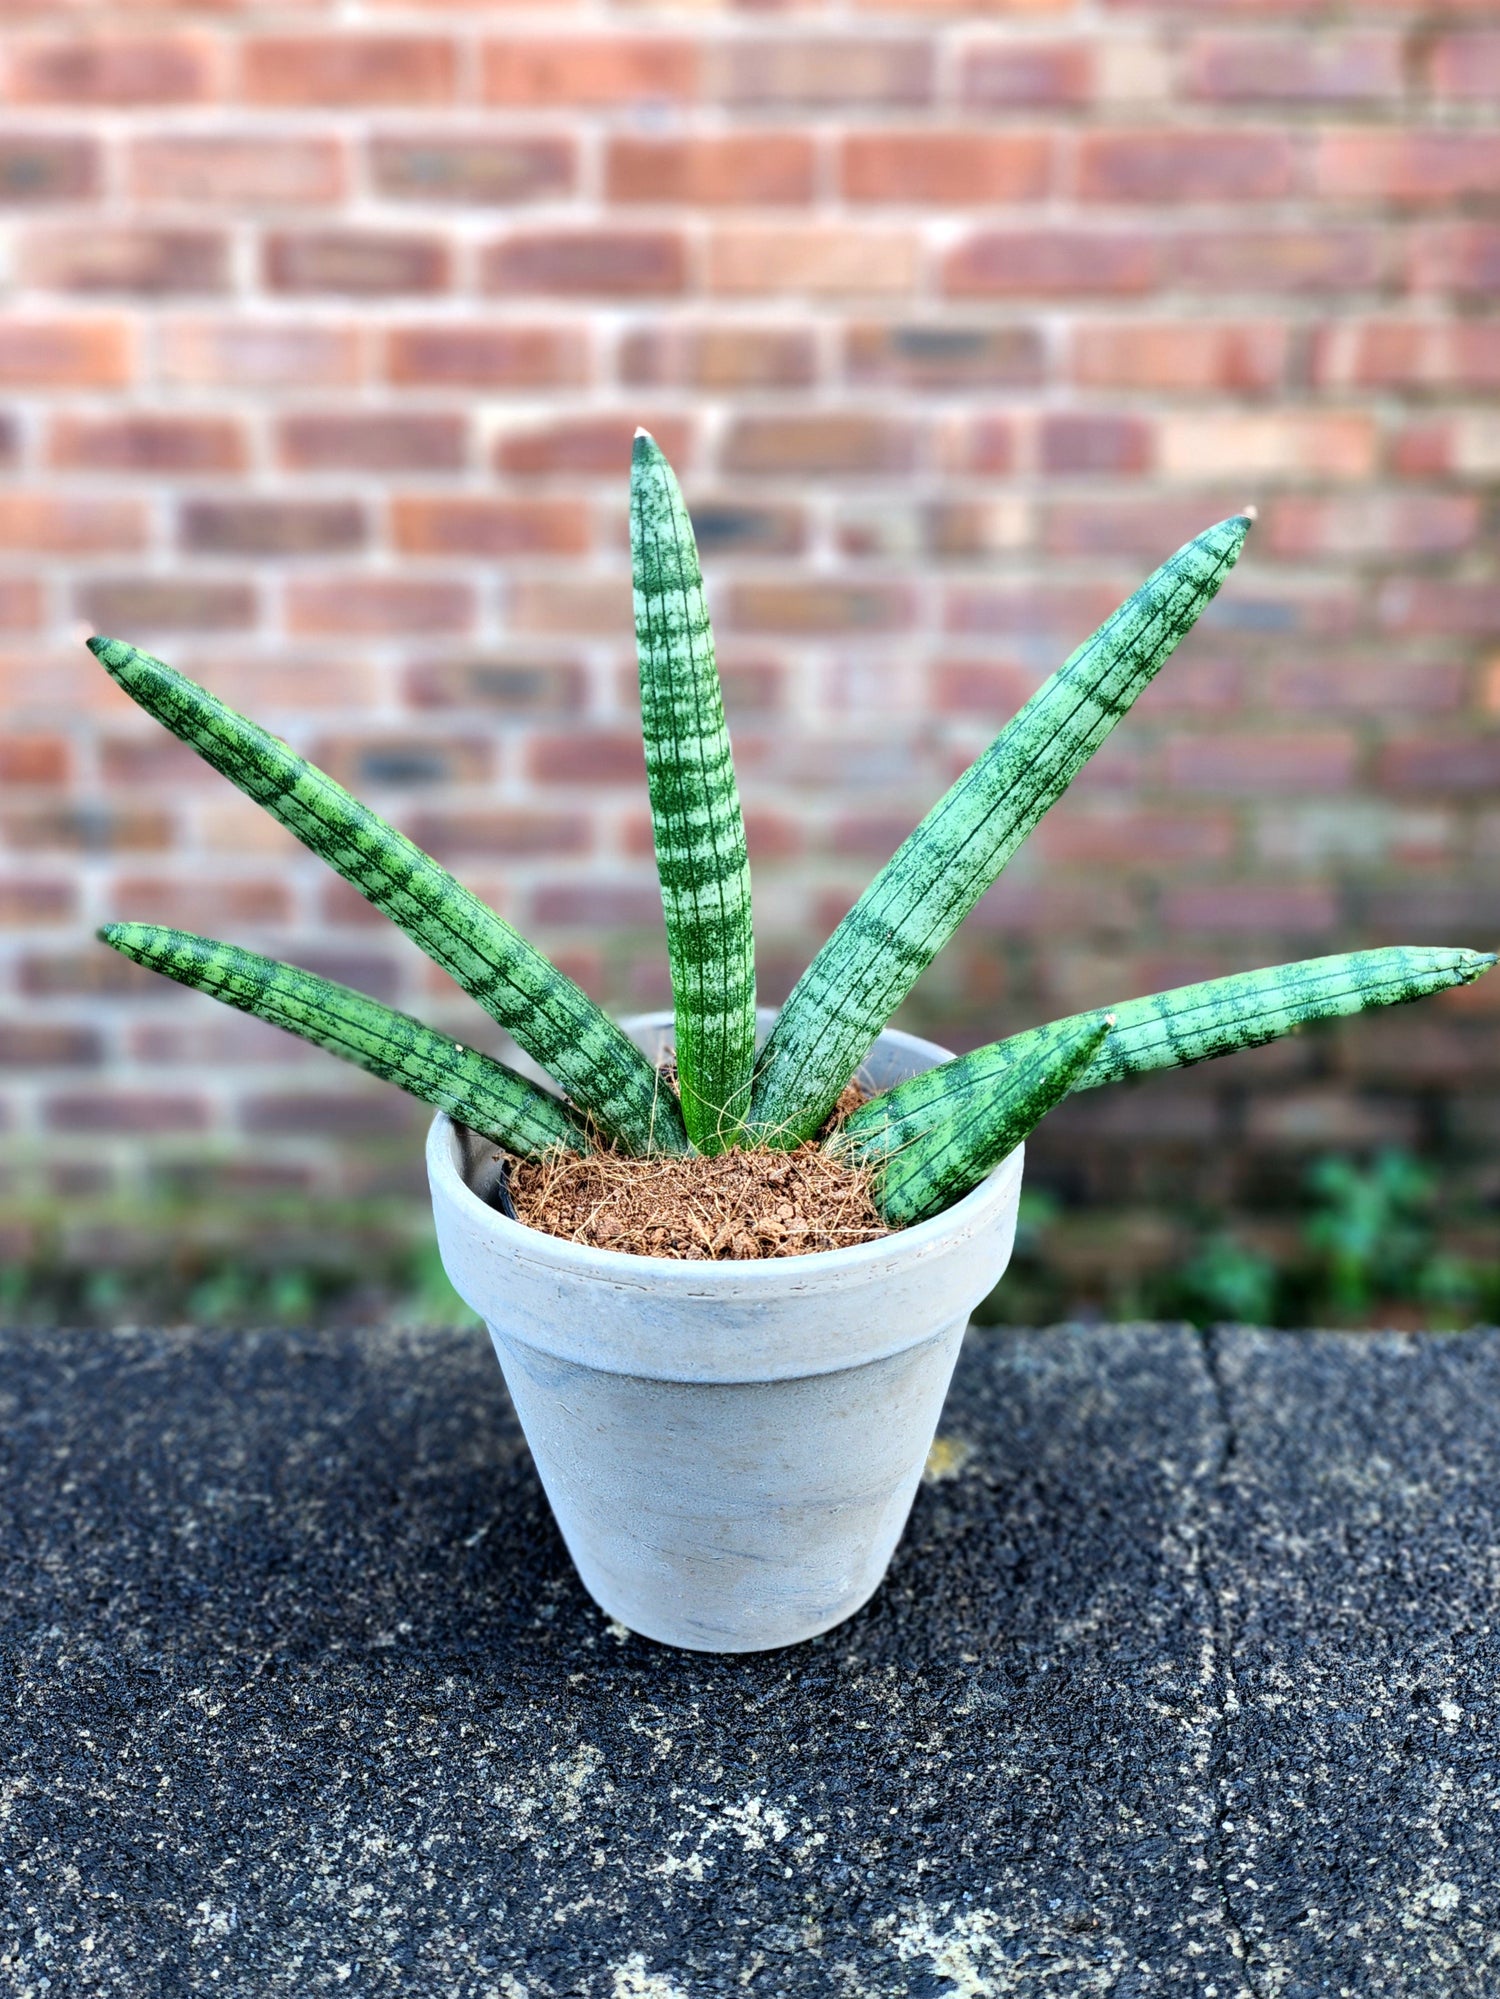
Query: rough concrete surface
<point x="1184" y="1681"/>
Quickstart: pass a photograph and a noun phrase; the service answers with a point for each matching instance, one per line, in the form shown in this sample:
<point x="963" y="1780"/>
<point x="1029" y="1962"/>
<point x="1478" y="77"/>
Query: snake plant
<point x="926" y="1142"/>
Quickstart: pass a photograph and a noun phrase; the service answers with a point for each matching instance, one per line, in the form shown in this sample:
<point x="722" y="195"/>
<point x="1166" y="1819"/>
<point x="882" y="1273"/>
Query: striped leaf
<point x="934" y="1137"/>
<point x="480" y="1092"/>
<point x="1190" y="1024"/>
<point x="1164" y="1031"/>
<point x="604" y="1073"/>
<point x="917" y="901"/>
<point x="695" y="811"/>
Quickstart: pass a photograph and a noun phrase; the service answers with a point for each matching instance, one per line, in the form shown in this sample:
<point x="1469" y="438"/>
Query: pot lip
<point x="732" y="1278"/>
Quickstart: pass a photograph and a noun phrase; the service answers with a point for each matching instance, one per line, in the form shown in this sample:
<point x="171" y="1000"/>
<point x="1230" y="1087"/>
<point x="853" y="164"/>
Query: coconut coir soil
<point x="738" y="1205"/>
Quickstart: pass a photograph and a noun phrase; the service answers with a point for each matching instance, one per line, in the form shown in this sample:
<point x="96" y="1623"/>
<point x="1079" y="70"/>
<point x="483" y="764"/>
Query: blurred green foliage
<point x="1379" y="1241"/>
<point x="1373" y="1242"/>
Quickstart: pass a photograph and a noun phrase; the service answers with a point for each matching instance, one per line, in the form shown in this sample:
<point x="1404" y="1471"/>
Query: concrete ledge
<point x="1185" y="1681"/>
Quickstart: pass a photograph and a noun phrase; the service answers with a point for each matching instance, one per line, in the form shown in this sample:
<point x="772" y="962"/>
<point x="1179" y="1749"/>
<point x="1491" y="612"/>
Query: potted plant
<point x="731" y="1432"/>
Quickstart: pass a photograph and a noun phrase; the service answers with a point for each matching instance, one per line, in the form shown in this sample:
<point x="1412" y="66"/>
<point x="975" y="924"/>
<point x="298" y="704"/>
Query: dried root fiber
<point x="737" y="1206"/>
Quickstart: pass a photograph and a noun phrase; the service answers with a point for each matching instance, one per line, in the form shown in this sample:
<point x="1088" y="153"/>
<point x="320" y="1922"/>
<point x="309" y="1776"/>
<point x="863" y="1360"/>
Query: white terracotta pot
<point x="731" y="1449"/>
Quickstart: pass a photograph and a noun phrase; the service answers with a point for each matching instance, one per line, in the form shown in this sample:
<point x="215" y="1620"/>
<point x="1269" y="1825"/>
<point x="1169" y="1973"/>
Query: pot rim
<point x="731" y="1278"/>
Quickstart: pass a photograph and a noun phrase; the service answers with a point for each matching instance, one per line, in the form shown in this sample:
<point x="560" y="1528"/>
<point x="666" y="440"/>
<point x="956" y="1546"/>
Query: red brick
<point x="1180" y="357"/>
<point x="27" y="901"/>
<point x="472" y="525"/>
<point x="33" y="760"/>
<point x="131" y="606"/>
<point x="358" y="1112"/>
<point x="947" y="167"/>
<point x="587" y="756"/>
<point x="447" y="354"/>
<point x="812" y="70"/>
<point x="1461" y="257"/>
<point x="167" y="442"/>
<point x="1023" y="9"/>
<point x="590" y="444"/>
<point x="1314" y="444"/>
<point x="259" y="354"/>
<point x="1452" y="606"/>
<point x="361" y="262"/>
<point x="29" y="1045"/>
<point x="510" y="686"/>
<point x="63" y="524"/>
<point x="730" y="527"/>
<point x="943" y="355"/>
<point x="270" y="527"/>
<point x="1359" y="685"/>
<point x="735" y="169"/>
<point x="950" y="530"/>
<point x="1466" y="66"/>
<point x="590" y="607"/>
<point x="587" y="263"/>
<point x="1414" y="166"/>
<point x="1108" y="831"/>
<point x="1407" y="354"/>
<point x="1467" y="444"/>
<point x="1442" y="764"/>
<point x="102" y="259"/>
<point x="152" y="761"/>
<point x="1306" y="762"/>
<point x="196" y="905"/>
<point x="819" y="443"/>
<point x="1107" y="444"/>
<point x="484" y="167"/>
<point x="982" y="444"/>
<point x="998" y="75"/>
<point x="349" y="70"/>
<point x="113" y="70"/>
<point x="374" y="440"/>
<point x="255" y="169"/>
<point x="137" y="1113"/>
<point x="1043" y="263"/>
<point x="370" y="606"/>
<point x="47" y="166"/>
<point x="96" y="828"/>
<point x="1054" y="615"/>
<point x="990" y="690"/>
<point x="820" y="259"/>
<point x="818" y="607"/>
<point x="1248" y="908"/>
<point x="20" y="603"/>
<point x="93" y="972"/>
<point x="719" y="357"/>
<point x="589" y="70"/>
<point x="455" y="836"/>
<point x="1158" y="166"/>
<point x="404" y="761"/>
<point x="593" y="905"/>
<point x="1298" y="68"/>
<point x="1371" y="524"/>
<point x="1288" y="259"/>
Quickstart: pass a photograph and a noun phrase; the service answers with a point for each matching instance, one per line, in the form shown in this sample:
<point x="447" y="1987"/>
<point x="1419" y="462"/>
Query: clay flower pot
<point x="731" y="1449"/>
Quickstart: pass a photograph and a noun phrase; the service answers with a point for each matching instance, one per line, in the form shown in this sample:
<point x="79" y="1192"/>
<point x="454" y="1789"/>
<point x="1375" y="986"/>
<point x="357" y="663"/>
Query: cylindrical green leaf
<point x="1188" y="1024"/>
<point x="917" y="901"/>
<point x="1163" y="1031"/>
<point x="935" y="1136"/>
<point x="474" y="1088"/>
<point x="554" y="1020"/>
<point x="695" y="811"/>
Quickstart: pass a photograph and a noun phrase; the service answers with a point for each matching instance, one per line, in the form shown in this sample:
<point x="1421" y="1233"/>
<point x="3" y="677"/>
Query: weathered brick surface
<point x="326" y="334"/>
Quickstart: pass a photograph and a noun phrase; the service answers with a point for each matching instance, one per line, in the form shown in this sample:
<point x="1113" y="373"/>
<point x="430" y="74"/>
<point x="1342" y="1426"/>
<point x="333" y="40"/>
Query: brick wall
<point x="325" y="332"/>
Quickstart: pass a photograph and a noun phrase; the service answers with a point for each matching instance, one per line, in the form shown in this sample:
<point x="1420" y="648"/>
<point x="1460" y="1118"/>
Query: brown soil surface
<point x="737" y="1206"/>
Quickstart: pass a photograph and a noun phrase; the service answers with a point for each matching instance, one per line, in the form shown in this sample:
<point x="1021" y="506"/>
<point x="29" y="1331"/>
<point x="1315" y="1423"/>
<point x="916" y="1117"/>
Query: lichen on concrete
<point x="1184" y="1681"/>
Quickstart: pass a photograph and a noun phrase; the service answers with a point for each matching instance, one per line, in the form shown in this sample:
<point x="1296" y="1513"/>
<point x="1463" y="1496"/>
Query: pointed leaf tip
<point x="1250" y="512"/>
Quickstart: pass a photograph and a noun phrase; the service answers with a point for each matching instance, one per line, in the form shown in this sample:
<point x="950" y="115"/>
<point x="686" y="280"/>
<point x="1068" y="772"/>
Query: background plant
<point x="930" y="1139"/>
